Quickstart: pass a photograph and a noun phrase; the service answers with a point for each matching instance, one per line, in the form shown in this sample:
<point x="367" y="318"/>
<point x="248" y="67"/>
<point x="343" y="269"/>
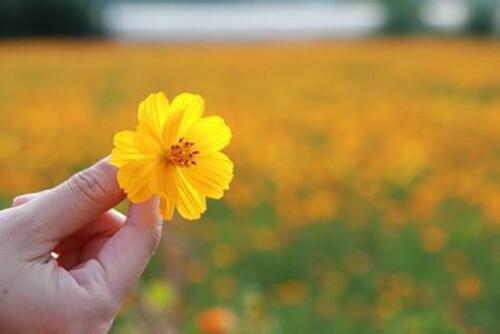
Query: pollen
<point x="182" y="154"/>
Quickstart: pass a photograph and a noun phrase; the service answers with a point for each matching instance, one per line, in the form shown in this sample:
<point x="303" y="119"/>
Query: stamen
<point x="180" y="154"/>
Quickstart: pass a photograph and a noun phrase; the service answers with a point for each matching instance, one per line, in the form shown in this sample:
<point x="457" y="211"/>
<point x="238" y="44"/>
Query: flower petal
<point x="134" y="178"/>
<point x="210" y="134"/>
<point x="190" y="107"/>
<point x="125" y="149"/>
<point x="190" y="203"/>
<point x="211" y="175"/>
<point x="147" y="141"/>
<point x="153" y="114"/>
<point x="163" y="180"/>
<point x="171" y="128"/>
<point x="167" y="207"/>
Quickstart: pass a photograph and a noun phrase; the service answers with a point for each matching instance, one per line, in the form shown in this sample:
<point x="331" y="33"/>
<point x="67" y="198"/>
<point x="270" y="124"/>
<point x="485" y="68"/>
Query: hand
<point x="102" y="253"/>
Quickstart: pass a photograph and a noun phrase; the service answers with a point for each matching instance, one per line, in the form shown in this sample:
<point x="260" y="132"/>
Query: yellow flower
<point x="175" y="154"/>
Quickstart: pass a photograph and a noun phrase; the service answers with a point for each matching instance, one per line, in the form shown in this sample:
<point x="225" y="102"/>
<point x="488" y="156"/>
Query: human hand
<point x="102" y="254"/>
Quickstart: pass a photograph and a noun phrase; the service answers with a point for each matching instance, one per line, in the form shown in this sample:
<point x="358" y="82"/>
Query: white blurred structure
<point x="445" y="15"/>
<point x="241" y="21"/>
<point x="268" y="20"/>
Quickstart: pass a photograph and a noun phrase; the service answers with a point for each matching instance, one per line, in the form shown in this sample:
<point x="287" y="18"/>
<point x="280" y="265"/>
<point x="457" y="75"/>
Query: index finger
<point x="65" y="209"/>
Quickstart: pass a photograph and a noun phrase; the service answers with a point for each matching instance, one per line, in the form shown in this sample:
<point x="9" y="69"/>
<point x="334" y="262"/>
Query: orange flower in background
<point x="217" y="320"/>
<point x="174" y="153"/>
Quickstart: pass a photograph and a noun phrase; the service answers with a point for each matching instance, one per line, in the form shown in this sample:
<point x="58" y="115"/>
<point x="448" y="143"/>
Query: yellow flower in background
<point x="175" y="154"/>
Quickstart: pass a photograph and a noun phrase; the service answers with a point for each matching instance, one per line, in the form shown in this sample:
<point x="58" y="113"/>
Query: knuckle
<point x="90" y="183"/>
<point x="33" y="231"/>
<point x="17" y="201"/>
<point x="19" y="228"/>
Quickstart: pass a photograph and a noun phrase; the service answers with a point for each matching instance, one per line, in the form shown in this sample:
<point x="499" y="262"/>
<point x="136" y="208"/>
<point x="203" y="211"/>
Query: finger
<point x="19" y="200"/>
<point x="87" y="243"/>
<point x="127" y="253"/>
<point x="105" y="226"/>
<point x="24" y="198"/>
<point x="65" y="209"/>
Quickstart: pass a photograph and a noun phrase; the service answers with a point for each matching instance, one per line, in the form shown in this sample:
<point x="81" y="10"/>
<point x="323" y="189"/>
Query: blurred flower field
<point x="366" y="196"/>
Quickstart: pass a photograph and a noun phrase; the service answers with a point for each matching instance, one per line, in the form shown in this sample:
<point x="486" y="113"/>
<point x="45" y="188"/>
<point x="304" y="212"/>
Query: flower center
<point x="182" y="154"/>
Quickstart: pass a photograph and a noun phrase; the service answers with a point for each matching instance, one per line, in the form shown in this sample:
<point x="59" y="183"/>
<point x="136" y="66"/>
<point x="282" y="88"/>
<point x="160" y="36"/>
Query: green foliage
<point x="4" y="202"/>
<point x="278" y="291"/>
<point x="158" y="295"/>
<point x="482" y="17"/>
<point x="402" y="16"/>
<point x="47" y="18"/>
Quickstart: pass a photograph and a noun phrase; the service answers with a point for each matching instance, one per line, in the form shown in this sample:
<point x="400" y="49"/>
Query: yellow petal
<point x="190" y="107"/>
<point x="147" y="142"/>
<point x="133" y="178"/>
<point x="171" y="128"/>
<point x="125" y="149"/>
<point x="167" y="207"/>
<point x="211" y="175"/>
<point x="190" y="203"/>
<point x="153" y="114"/>
<point x="210" y="134"/>
<point x="163" y="180"/>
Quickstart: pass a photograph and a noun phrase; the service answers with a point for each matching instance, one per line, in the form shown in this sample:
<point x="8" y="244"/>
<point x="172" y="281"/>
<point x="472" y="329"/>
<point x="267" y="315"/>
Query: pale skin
<point x="102" y="254"/>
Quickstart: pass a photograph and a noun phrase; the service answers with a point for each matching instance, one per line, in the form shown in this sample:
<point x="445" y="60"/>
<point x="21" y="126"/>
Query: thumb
<point x="127" y="252"/>
<point x="63" y="210"/>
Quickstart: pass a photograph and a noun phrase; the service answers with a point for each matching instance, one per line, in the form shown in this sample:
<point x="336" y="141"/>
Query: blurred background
<point x="366" y="142"/>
